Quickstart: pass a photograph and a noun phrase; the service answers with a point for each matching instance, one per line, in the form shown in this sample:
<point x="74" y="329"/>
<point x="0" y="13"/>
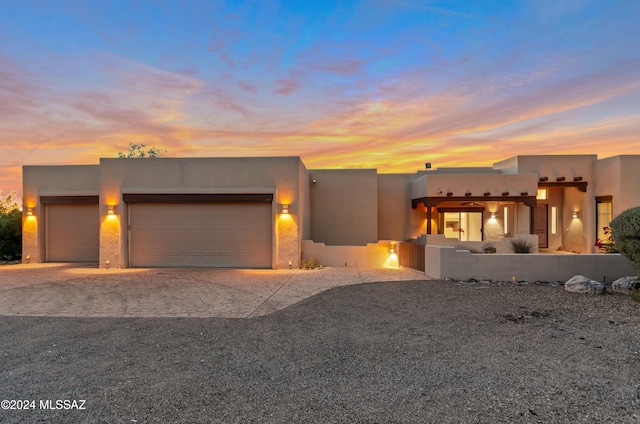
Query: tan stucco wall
<point x="376" y="255"/>
<point x="552" y="166"/>
<point x="344" y="206"/>
<point x="278" y="175"/>
<point x="437" y="185"/>
<point x="619" y="177"/>
<point x="447" y="262"/>
<point x="397" y="220"/>
<point x="579" y="235"/>
<point x="59" y="180"/>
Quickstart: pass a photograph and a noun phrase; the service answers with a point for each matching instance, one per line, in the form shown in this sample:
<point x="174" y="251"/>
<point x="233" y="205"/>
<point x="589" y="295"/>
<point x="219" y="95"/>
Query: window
<point x="542" y="194"/>
<point x="604" y="215"/>
<point x="465" y="226"/>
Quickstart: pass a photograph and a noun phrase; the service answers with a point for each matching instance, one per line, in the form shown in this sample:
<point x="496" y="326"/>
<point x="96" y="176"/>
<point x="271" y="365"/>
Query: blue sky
<point x="374" y="84"/>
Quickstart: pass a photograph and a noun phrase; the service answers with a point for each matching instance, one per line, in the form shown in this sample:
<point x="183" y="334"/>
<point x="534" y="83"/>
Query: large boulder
<point x="582" y="284"/>
<point x="626" y="285"/>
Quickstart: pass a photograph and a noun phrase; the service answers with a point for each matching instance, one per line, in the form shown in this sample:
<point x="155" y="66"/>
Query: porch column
<point x="428" y="220"/>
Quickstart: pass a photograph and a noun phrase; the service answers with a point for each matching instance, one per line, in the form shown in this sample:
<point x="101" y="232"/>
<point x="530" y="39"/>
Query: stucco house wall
<point x="277" y="175"/>
<point x="344" y="206"/>
<point x="619" y="177"/>
<point x="394" y="218"/>
<point x="48" y="180"/>
<point x="438" y="185"/>
<point x="577" y="236"/>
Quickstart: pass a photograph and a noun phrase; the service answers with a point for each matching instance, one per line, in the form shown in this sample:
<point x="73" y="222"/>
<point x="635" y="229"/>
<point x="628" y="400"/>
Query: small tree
<point x="625" y="229"/>
<point x="10" y="227"/>
<point x="138" y="151"/>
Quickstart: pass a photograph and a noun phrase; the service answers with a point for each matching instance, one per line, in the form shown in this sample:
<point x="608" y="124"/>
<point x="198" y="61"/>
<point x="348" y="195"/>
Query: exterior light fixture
<point x="493" y="215"/>
<point x="575" y="215"/>
<point x="30" y="211"/>
<point x="111" y="210"/>
<point x="285" y="209"/>
<point x="392" y="248"/>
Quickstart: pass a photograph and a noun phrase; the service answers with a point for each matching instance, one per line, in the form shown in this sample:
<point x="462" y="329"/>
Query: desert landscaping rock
<point x="396" y="352"/>
<point x="581" y="284"/>
<point x="626" y="285"/>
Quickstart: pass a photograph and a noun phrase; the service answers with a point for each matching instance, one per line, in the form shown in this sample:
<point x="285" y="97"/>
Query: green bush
<point x="521" y="245"/>
<point x="10" y="228"/>
<point x="489" y="248"/>
<point x="312" y="263"/>
<point x="625" y="229"/>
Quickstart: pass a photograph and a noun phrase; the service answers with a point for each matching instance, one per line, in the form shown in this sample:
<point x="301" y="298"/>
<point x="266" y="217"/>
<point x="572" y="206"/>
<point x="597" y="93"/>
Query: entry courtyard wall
<point x="447" y="262"/>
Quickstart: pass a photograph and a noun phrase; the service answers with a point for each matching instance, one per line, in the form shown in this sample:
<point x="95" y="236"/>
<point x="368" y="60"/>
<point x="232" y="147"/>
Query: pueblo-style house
<point x="269" y="212"/>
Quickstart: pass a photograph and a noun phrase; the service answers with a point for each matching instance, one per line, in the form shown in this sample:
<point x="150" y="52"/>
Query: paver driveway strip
<point x="81" y="290"/>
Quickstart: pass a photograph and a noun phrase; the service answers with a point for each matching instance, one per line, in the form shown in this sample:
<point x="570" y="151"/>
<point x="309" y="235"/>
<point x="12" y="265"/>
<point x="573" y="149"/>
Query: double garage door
<point x="213" y="231"/>
<point x="233" y="235"/>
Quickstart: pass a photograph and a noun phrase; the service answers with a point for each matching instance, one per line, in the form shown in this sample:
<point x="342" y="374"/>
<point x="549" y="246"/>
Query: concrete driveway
<point x="82" y="290"/>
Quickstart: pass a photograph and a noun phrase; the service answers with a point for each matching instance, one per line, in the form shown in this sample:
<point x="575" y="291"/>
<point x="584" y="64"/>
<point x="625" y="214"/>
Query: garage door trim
<point x="199" y="198"/>
<point x="56" y="200"/>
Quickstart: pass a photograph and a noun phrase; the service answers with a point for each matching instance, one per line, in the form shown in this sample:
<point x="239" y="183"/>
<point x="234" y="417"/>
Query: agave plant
<point x="521" y="246"/>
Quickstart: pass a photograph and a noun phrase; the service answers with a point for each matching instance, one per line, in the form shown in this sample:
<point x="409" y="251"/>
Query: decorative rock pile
<point x="582" y="284"/>
<point x="626" y="285"/>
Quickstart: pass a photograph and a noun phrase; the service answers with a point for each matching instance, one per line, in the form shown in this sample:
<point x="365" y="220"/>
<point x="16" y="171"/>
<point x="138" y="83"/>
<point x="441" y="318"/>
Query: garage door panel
<point x="72" y="233"/>
<point x="210" y="235"/>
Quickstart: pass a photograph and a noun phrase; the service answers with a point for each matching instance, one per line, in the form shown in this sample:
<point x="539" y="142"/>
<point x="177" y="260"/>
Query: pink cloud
<point x="287" y="85"/>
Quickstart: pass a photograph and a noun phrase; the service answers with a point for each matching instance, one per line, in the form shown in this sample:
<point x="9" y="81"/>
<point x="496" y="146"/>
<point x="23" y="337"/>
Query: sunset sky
<point x="387" y="84"/>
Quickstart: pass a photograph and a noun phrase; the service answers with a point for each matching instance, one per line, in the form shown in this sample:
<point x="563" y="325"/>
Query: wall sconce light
<point x="285" y="209"/>
<point x="392" y="248"/>
<point x="29" y="211"/>
<point x="111" y="210"/>
<point x="575" y="215"/>
<point x="493" y="215"/>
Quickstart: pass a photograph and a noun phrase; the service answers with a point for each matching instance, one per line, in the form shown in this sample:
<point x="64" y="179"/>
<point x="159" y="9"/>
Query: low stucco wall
<point x="502" y="246"/>
<point x="375" y="255"/>
<point x="447" y="262"/>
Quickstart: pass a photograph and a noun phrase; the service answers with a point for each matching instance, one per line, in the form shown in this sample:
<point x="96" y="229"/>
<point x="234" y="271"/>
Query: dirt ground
<point x="417" y="351"/>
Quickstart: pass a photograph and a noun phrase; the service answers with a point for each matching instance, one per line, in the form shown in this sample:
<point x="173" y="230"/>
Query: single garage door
<point x="72" y="232"/>
<point x="231" y="235"/>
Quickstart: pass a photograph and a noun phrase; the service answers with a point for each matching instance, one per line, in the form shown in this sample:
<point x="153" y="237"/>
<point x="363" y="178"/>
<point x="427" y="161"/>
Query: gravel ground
<point x="427" y="351"/>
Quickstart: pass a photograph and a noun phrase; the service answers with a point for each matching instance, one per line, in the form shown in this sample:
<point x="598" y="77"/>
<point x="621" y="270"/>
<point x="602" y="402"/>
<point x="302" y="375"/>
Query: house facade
<point x="261" y="212"/>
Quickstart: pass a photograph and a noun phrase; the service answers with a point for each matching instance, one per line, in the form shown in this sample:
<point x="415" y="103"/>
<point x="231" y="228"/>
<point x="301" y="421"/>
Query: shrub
<point x="625" y="229"/>
<point x="10" y="228"/>
<point x="489" y="248"/>
<point x="309" y="263"/>
<point x="521" y="245"/>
